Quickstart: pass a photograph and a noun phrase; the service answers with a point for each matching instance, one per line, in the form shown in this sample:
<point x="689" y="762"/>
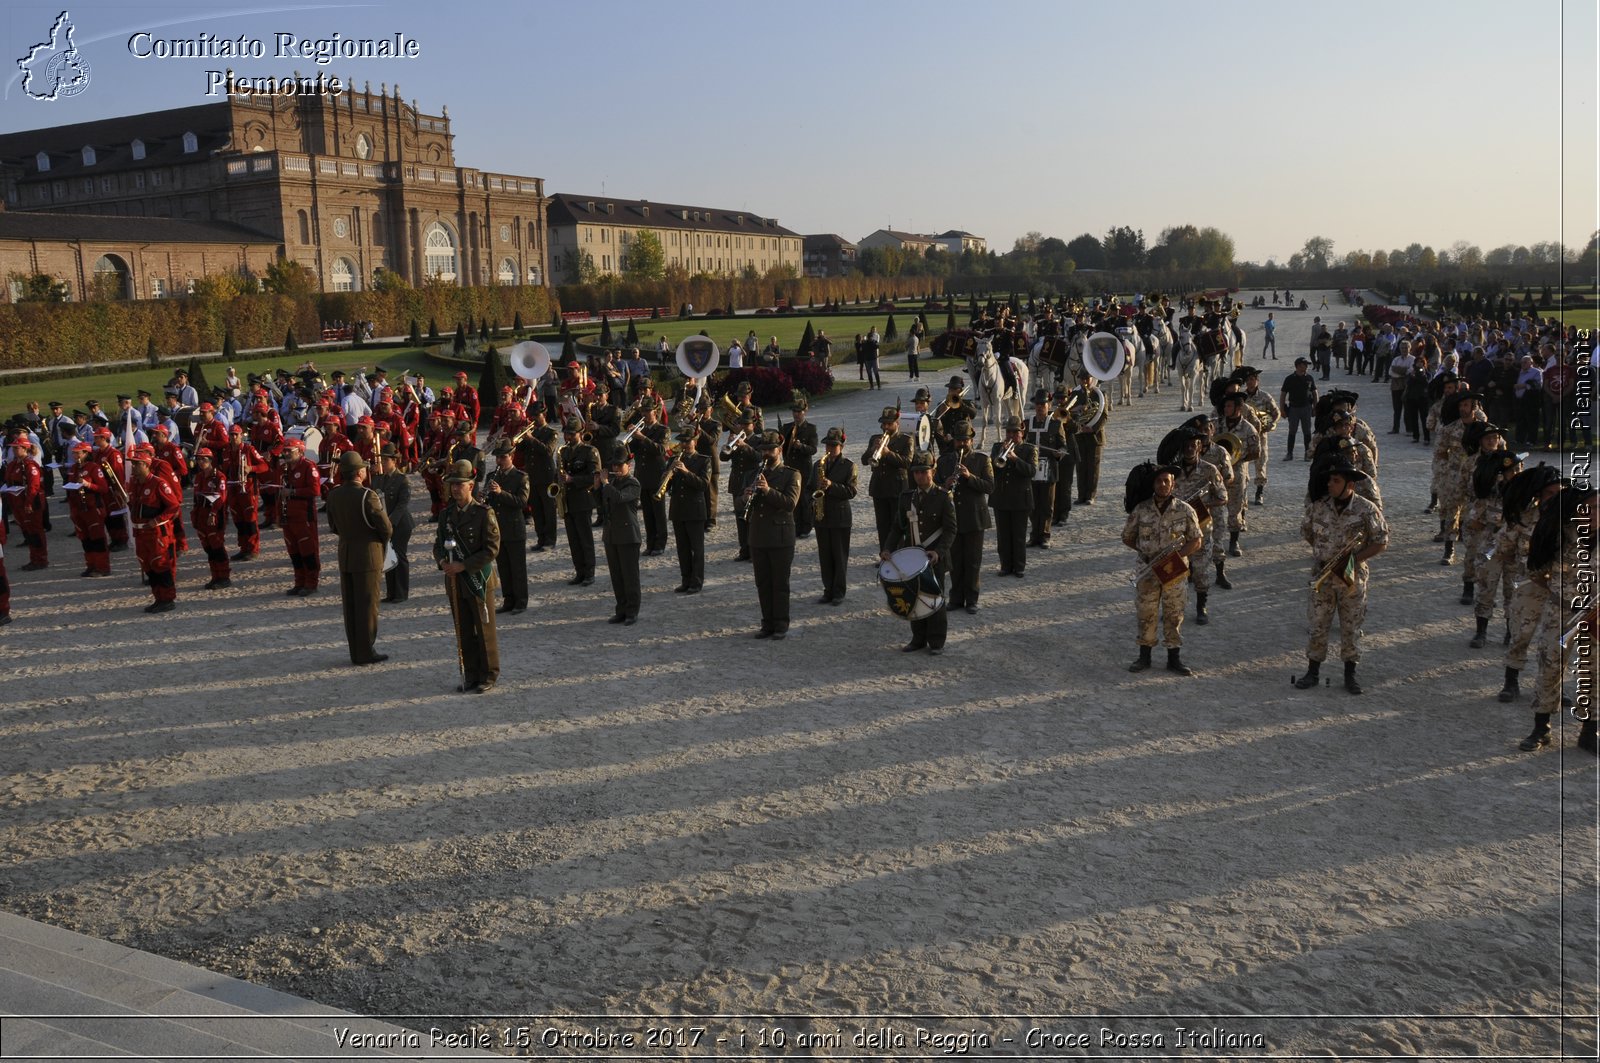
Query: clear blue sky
<point x="1375" y="124"/>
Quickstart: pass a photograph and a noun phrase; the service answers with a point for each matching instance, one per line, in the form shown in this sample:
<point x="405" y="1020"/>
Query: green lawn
<point x="107" y="386"/>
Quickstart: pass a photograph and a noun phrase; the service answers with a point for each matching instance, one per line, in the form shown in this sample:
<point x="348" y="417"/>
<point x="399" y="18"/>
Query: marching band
<point x="269" y="459"/>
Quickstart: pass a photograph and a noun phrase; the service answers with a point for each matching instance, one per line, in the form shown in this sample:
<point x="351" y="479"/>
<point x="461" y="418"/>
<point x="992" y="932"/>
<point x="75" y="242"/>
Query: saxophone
<point x="558" y="490"/>
<point x="819" y="497"/>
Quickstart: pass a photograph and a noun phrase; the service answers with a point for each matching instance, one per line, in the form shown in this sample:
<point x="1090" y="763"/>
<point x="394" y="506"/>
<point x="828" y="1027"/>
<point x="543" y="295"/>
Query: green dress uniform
<point x="1054" y="449"/>
<point x="477" y="542"/>
<point x="799" y="454"/>
<point x="770" y="512"/>
<point x="356" y="514"/>
<point x="622" y="535"/>
<point x="395" y="487"/>
<point x="649" y="447"/>
<point x="690" y="502"/>
<point x="969" y="498"/>
<point x="744" y="462"/>
<point x="536" y="456"/>
<point x="1012" y="500"/>
<point x="511" y="562"/>
<point x="582" y="463"/>
<point x="833" y="528"/>
<point x="1090" y="444"/>
<point x="935" y="531"/>
<point x="888" y="481"/>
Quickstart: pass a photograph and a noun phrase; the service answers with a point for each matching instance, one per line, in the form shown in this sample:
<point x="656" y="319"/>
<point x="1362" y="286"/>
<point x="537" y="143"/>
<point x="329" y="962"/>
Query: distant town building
<point x="955" y="241"/>
<point x="911" y="243"/>
<point x="829" y="255"/>
<point x="697" y="239"/>
<point x="342" y="185"/>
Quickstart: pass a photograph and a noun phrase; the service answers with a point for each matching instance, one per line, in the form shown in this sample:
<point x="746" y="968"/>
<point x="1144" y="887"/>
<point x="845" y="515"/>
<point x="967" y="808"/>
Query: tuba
<point x="1094" y="411"/>
<point x="1233" y="446"/>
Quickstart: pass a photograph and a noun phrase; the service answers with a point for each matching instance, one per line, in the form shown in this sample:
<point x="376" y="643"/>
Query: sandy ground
<point x="678" y="820"/>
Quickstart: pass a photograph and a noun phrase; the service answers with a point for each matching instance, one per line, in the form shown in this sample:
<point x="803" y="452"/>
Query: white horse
<point x="991" y="391"/>
<point x="1162" y="351"/>
<point x="1193" y="370"/>
<point x="1132" y="358"/>
<point x="1238" y="342"/>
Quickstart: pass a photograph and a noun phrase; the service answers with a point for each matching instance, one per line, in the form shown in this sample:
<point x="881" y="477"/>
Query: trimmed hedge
<point x="43" y="335"/>
<point x="724" y="292"/>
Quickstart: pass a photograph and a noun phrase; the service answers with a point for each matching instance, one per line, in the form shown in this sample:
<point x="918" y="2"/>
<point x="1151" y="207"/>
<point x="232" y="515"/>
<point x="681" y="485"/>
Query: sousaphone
<point x="530" y="359"/>
<point x="1104" y="356"/>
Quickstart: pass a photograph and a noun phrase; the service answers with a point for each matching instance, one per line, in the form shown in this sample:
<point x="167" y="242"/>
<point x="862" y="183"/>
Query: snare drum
<point x="911" y="584"/>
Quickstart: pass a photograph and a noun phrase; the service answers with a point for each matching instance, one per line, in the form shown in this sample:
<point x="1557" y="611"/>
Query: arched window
<point x="88" y="155"/>
<point x="138" y="149"/>
<point x="191" y="143"/>
<point x="344" y="275"/>
<point x="508" y="271"/>
<point x="111" y="277"/>
<point x="305" y="227"/>
<point x="533" y="274"/>
<point x="439" y="252"/>
<point x="42" y="161"/>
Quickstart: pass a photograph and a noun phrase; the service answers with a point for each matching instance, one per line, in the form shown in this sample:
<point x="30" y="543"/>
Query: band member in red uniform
<point x="436" y="460"/>
<point x="24" y="491"/>
<point x="118" y="521"/>
<point x="242" y="464"/>
<point x="89" y="498"/>
<point x="466" y="397"/>
<point x="302" y="489"/>
<point x="210" y="432"/>
<point x="155" y="505"/>
<point x="210" y="516"/>
<point x="266" y="436"/>
<point x="170" y="463"/>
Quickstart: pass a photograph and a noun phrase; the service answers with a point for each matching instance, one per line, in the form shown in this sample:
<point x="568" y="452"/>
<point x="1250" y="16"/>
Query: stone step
<point x="107" y="999"/>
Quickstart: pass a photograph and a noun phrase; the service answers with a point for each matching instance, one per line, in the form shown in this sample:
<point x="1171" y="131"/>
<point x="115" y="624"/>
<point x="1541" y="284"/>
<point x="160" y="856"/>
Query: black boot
<point x="1510" y="692"/>
<point x="1222" y="576"/>
<point x="1449" y="552"/>
<point x="1466" y="592"/>
<point x="1433" y="503"/>
<point x="1586" y="737"/>
<point x="1539" y="736"/>
<point x="1259" y="490"/>
<point x="1143" y="663"/>
<point x="1482" y="637"/>
<point x="1175" y="665"/>
<point x="1312" y="676"/>
<point x="1200" y="614"/>
<point x="1233" y="545"/>
<point x="1350" y="683"/>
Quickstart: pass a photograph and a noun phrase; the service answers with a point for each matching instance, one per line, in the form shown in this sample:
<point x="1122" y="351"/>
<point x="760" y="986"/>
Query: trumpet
<point x="883" y="445"/>
<point x="627" y="437"/>
<point x="1005" y="455"/>
<point x="1342" y="558"/>
<point x="676" y="456"/>
<point x="733" y="443"/>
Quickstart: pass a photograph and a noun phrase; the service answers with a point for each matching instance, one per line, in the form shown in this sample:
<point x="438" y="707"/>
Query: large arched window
<point x="305" y="226"/>
<point x="439" y="252"/>
<point x="508" y="271"/>
<point x="344" y="275"/>
<point x="111" y="278"/>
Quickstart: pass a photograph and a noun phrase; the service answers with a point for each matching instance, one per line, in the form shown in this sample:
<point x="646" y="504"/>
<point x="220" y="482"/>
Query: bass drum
<point x="911" y="584"/>
<point x="308" y="434"/>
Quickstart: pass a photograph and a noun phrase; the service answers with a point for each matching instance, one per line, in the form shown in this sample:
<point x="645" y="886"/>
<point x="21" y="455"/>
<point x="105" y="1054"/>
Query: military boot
<point x="1176" y="665"/>
<point x="1259" y="490"/>
<point x="1482" y="637"/>
<point x="1233" y="545"/>
<point x="1312" y="676"/>
<point x="1222" y="576"/>
<point x="1200" y="614"/>
<point x="1510" y="692"/>
<point x="1449" y="552"/>
<point x="1466" y="592"/>
<point x="1350" y="683"/>
<point x="1539" y="736"/>
<point x="1143" y="663"/>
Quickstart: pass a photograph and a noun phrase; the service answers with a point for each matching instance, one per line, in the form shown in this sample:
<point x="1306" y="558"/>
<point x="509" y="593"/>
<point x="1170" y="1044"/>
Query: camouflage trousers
<point x="1474" y="542"/>
<point x="1527" y="607"/>
<point x="1350" y="604"/>
<point x="1238" y="502"/>
<point x="1151" y="600"/>
<point x="1199" y="571"/>
<point x="1553" y="660"/>
<point x="1495" y="576"/>
<point x="1452" y="501"/>
<point x="1257" y="470"/>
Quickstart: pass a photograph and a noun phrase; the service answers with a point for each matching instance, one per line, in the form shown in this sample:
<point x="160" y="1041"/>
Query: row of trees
<point x="1317" y="255"/>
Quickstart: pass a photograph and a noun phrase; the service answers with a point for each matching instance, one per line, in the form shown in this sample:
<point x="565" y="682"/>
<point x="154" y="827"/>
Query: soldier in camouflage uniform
<point x="1267" y="417"/>
<point x="1237" y="419"/>
<point x="1157" y="525"/>
<point x="1460" y="410"/>
<point x="1559" y="553"/>
<point x="1485" y="531"/>
<point x="1477" y="440"/>
<point x="1523" y="498"/>
<point x="1210" y="452"/>
<point x="1450" y="384"/>
<point x="1341" y="527"/>
<point x="1199" y="484"/>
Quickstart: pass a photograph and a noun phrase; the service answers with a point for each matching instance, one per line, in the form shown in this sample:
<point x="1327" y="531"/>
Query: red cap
<point x="294" y="442"/>
<point x="236" y="427"/>
<point x="143" y="452"/>
<point x="81" y="445"/>
<point x="204" y="452"/>
<point x="157" y="428"/>
<point x="461" y="375"/>
<point x="102" y="433"/>
<point x="365" y="421"/>
<point x="206" y="407"/>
